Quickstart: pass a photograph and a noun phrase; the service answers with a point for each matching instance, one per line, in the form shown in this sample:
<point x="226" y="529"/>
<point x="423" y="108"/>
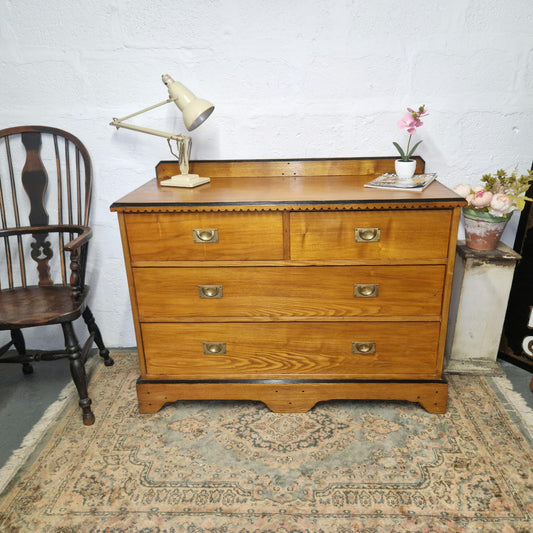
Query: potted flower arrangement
<point x="491" y="205"/>
<point x="405" y="166"/>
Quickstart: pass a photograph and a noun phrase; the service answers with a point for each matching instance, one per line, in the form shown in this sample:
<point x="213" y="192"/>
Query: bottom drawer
<point x="292" y="350"/>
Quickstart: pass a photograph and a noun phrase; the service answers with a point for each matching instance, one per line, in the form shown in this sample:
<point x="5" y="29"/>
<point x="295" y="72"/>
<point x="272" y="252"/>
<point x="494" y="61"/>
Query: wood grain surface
<point x="284" y="267"/>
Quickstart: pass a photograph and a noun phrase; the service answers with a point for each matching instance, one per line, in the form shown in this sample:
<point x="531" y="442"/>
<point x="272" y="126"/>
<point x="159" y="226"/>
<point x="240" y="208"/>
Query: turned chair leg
<point x="77" y="370"/>
<point x="18" y="341"/>
<point x="93" y="329"/>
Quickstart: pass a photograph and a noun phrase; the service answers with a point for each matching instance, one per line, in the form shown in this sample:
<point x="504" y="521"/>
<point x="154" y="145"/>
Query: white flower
<point x="463" y="190"/>
<point x="482" y="198"/>
<point x="500" y="205"/>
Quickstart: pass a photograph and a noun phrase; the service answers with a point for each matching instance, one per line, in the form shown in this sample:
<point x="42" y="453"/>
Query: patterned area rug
<point x="235" y="467"/>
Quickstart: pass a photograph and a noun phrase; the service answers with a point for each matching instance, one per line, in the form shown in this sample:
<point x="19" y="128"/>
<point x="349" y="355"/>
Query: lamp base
<point x="184" y="180"/>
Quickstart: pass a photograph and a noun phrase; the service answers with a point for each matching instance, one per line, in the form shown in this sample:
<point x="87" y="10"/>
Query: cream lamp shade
<point x="195" y="111"/>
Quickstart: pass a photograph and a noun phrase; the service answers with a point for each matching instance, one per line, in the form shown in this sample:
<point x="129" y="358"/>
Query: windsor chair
<point x="45" y="236"/>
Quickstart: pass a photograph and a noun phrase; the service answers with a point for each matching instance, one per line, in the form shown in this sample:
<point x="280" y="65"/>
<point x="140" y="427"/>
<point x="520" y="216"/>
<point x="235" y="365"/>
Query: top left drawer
<point x="205" y="236"/>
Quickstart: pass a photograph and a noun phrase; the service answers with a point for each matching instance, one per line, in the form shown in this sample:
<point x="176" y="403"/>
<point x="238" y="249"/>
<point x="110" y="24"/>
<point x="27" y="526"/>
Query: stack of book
<point x="391" y="181"/>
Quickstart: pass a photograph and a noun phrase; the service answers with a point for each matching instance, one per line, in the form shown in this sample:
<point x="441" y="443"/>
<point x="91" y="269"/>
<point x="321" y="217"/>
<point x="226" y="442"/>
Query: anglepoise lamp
<point x="195" y="112"/>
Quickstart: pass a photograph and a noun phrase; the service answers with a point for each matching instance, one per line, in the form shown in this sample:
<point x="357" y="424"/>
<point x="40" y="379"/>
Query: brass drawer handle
<point x="366" y="290"/>
<point x="210" y="291"/>
<point x="364" y="348"/>
<point x="205" y="235"/>
<point x="367" y="234"/>
<point x="214" y="348"/>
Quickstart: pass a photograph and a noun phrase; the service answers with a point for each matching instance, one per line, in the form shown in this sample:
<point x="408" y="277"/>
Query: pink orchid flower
<point x="410" y="122"/>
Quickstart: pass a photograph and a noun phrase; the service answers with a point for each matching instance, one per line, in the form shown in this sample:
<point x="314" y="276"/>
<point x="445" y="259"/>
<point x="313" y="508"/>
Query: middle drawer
<point x="303" y="292"/>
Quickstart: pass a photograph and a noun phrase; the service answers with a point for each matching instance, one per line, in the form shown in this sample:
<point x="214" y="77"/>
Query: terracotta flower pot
<point x="482" y="230"/>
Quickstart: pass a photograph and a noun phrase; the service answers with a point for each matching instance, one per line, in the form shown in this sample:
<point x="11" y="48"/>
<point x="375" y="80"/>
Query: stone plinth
<point x="481" y="286"/>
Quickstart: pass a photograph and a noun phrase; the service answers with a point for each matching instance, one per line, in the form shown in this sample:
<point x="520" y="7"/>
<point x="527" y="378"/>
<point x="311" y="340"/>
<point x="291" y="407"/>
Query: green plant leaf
<point x="399" y="148"/>
<point x="412" y="150"/>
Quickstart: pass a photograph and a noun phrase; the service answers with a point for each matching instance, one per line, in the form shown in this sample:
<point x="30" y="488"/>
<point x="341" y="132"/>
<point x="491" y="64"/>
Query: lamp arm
<point x="119" y="123"/>
<point x="145" y="110"/>
<point x="142" y="129"/>
<point x="184" y="153"/>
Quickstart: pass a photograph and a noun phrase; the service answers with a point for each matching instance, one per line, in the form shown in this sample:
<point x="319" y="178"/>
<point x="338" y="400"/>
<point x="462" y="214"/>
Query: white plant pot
<point x="405" y="170"/>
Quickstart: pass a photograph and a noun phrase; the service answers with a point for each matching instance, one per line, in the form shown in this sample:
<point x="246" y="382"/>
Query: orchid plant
<point x="410" y="122"/>
<point x="500" y="194"/>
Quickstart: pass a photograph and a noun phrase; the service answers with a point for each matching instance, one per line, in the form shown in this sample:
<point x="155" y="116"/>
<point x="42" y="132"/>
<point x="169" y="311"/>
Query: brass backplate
<point x="205" y="235"/>
<point x="214" y="348"/>
<point x="210" y="291"/>
<point x="366" y="290"/>
<point x="367" y="234"/>
<point x="364" y="348"/>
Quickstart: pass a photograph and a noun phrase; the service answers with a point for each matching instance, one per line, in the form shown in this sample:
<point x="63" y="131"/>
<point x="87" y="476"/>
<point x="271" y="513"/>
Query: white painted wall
<point x="289" y="78"/>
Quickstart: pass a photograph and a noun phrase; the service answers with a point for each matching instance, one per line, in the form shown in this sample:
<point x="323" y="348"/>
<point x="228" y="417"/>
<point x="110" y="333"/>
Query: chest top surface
<point x="284" y="184"/>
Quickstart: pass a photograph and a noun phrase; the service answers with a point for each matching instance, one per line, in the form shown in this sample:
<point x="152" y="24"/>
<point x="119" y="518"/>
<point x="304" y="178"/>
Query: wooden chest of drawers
<point x="290" y="283"/>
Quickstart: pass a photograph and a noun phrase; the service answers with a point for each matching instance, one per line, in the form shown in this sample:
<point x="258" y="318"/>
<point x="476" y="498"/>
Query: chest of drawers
<point x="289" y="282"/>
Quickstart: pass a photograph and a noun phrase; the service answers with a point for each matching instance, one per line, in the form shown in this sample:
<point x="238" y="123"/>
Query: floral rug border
<point x="515" y="405"/>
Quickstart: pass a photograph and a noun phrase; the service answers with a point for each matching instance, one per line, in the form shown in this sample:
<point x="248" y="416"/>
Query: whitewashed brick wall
<point x="289" y="78"/>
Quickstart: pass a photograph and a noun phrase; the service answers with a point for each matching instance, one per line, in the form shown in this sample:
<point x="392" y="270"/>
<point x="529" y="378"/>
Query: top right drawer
<point x="384" y="235"/>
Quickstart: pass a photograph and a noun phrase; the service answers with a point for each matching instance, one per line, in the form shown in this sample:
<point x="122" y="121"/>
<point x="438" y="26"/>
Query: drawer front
<point x="288" y="292"/>
<point x="291" y="350"/>
<point x="383" y="235"/>
<point x="205" y="236"/>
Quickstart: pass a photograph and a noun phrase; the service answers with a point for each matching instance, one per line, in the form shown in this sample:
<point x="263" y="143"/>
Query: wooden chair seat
<point x="26" y="306"/>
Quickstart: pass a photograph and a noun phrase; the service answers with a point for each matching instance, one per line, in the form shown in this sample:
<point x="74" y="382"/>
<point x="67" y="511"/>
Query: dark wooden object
<point x="45" y="235"/>
<point x="516" y="346"/>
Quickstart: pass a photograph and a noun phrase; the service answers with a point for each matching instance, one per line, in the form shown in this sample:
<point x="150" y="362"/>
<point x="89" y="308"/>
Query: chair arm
<point x="76" y="248"/>
<point x="84" y="233"/>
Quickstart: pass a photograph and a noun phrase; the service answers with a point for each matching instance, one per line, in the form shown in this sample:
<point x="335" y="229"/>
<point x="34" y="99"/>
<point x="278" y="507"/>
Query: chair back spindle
<point x="35" y="181"/>
<point x="44" y="172"/>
